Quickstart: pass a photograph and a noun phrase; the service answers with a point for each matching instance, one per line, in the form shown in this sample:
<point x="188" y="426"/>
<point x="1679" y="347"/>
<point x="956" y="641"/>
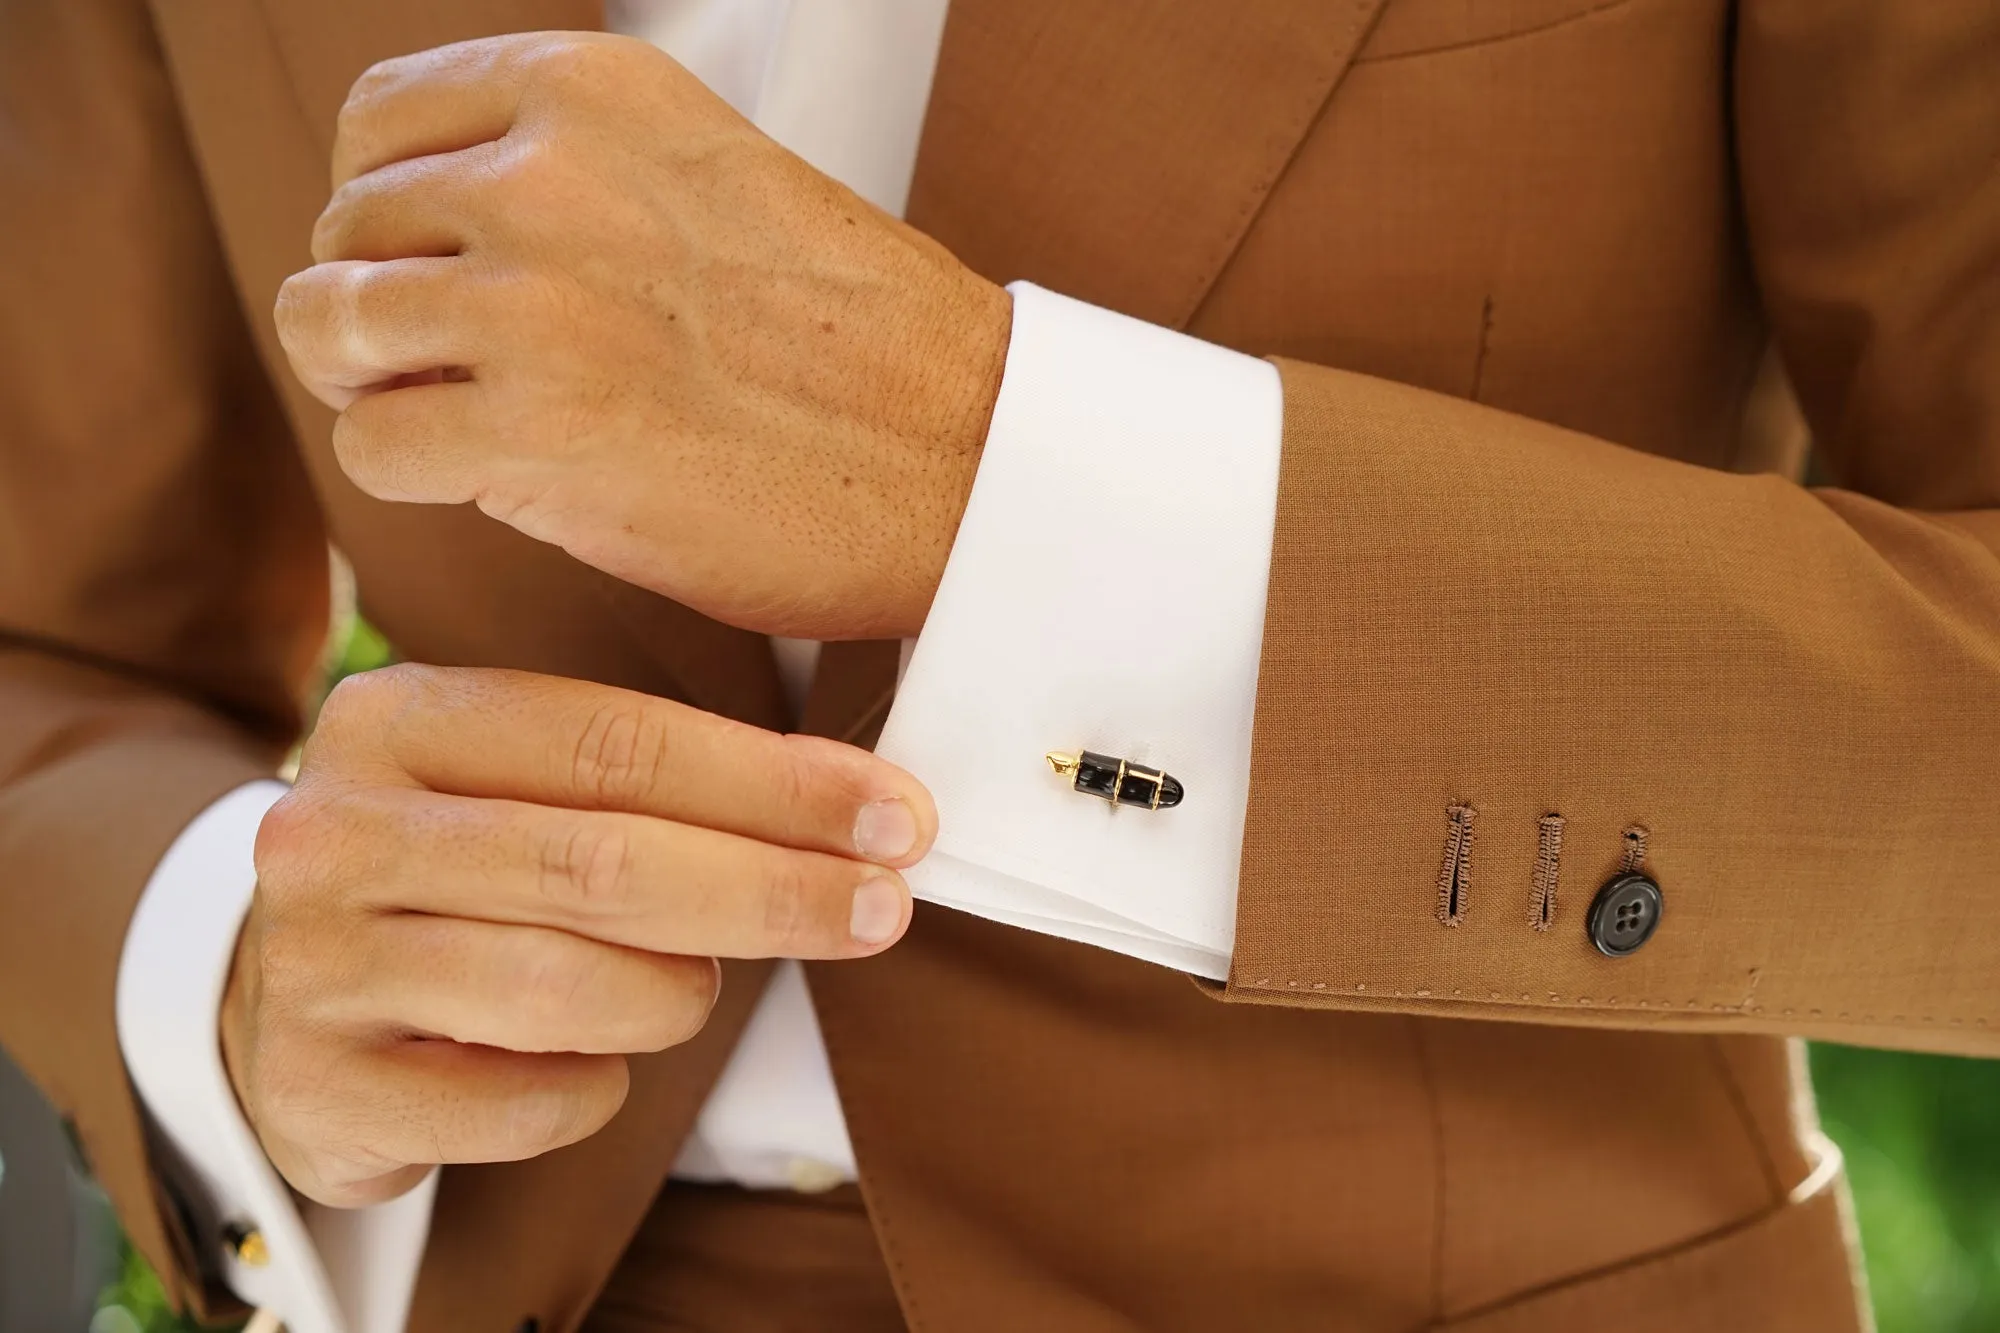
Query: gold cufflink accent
<point x="1119" y="781"/>
<point x="247" y="1244"/>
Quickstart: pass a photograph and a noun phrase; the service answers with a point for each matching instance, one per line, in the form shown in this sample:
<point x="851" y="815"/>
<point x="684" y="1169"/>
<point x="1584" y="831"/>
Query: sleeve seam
<point x="1273" y="986"/>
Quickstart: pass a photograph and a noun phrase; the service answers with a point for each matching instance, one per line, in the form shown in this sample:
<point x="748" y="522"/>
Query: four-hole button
<point x="1625" y="914"/>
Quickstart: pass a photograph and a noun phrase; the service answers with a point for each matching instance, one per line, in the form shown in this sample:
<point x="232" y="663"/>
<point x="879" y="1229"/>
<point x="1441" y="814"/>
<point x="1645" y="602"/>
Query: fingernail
<point x="878" y="910"/>
<point x="886" y="830"/>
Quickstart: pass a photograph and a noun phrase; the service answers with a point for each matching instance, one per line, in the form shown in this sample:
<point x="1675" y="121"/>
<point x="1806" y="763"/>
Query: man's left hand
<point x="560" y="279"/>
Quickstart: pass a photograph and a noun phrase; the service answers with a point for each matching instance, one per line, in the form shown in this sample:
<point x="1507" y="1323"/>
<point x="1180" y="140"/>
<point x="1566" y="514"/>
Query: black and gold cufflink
<point x="1119" y="781"/>
<point x="246" y="1244"/>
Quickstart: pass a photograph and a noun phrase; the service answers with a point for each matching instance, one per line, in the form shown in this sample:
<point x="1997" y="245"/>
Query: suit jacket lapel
<point x="1118" y="151"/>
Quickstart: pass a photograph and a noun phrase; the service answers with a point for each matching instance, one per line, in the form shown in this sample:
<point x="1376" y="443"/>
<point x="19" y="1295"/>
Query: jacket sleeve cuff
<point x="1105" y="592"/>
<point x="327" y="1271"/>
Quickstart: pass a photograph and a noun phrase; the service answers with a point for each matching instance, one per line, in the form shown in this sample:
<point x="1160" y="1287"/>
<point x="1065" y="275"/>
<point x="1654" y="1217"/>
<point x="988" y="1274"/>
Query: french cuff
<point x="320" y="1270"/>
<point x="1105" y="593"/>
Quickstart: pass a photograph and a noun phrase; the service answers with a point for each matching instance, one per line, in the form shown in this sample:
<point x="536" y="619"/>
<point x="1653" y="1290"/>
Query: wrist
<point x="961" y="368"/>
<point x="233" y="1016"/>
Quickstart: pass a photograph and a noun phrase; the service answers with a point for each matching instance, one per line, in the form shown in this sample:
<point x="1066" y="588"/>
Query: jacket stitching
<point x="1548" y="873"/>
<point x="1494" y="39"/>
<point x="1635" y="849"/>
<point x="1454" y="886"/>
<point x="1619" y="1002"/>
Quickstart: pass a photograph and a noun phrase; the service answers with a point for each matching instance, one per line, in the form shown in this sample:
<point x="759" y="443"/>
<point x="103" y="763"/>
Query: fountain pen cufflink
<point x="1119" y="781"/>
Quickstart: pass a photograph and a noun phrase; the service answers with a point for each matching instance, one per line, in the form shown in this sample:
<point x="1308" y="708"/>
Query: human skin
<point x="561" y="280"/>
<point x="487" y="888"/>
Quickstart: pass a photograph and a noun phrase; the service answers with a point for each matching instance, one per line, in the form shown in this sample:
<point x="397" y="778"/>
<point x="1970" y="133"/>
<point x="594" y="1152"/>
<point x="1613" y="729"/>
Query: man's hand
<point x="562" y="280"/>
<point x="488" y="887"/>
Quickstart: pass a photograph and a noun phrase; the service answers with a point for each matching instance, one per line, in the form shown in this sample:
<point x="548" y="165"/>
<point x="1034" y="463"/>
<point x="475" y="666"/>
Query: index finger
<point x="514" y="735"/>
<point x="436" y="101"/>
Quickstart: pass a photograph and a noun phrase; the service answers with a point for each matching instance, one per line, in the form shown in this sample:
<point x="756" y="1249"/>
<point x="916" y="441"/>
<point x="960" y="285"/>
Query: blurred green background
<point x="1921" y="1134"/>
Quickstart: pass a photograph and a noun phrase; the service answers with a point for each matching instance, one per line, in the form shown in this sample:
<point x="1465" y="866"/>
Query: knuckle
<point x="354" y="715"/>
<point x="288" y="829"/>
<point x="548" y="981"/>
<point x="292" y="311"/>
<point x="524" y="171"/>
<point x="565" y="59"/>
<point x="336" y="223"/>
<point x="309" y="317"/>
<point x="328" y="317"/>
<point x="789" y="894"/>
<point x="373" y="82"/>
<point x="355" y="697"/>
<point x="361" y="299"/>
<point x="303" y="853"/>
<point x="620" y="755"/>
<point x="406" y="692"/>
<point x="404" y="689"/>
<point x="798" y="791"/>
<point x="365" y="96"/>
<point x="586" y="868"/>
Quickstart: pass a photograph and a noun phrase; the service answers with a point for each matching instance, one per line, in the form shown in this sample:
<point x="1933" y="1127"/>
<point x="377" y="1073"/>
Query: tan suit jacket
<point x="1525" y="257"/>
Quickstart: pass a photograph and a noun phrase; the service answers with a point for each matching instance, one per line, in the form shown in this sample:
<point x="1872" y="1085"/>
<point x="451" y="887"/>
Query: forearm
<point x="1792" y="693"/>
<point x="1770" y="701"/>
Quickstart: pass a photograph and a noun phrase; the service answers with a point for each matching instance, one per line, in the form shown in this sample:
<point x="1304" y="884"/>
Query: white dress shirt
<point x="1039" y="639"/>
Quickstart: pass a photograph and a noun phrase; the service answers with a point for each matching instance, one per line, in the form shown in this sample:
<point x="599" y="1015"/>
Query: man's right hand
<point x="488" y="887"/>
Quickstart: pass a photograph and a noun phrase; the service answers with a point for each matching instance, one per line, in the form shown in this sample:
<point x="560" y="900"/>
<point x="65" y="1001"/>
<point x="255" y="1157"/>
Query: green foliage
<point x="1922" y="1138"/>
<point x="135" y="1303"/>
<point x="366" y="650"/>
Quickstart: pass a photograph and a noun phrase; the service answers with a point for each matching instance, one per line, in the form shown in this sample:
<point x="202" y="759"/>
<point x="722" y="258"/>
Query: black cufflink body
<point x="1119" y="781"/>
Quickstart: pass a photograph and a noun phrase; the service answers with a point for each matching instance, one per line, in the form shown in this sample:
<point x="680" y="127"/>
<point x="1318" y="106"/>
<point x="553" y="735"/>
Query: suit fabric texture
<point x="1522" y="262"/>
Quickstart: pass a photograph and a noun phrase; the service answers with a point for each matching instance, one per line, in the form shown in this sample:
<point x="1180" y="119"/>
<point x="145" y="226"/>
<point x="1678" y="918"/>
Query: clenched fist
<point x="487" y="888"/>
<point x="562" y="280"/>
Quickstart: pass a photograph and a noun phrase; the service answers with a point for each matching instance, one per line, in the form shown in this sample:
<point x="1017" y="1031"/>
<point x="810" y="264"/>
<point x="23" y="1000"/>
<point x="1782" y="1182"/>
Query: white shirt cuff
<point x="1105" y="592"/>
<point x="330" y="1271"/>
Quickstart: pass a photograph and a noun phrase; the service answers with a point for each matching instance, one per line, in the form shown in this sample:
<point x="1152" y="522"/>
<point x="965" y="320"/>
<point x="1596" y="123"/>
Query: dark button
<point x="529" y="1325"/>
<point x="1625" y="914"/>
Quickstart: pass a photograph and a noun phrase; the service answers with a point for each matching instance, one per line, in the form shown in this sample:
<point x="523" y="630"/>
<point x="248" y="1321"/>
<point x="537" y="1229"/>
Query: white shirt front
<point x="1152" y="442"/>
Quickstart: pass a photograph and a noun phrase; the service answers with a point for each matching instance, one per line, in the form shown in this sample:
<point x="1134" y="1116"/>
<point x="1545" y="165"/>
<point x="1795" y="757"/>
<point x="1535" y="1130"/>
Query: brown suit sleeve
<point x="1795" y="693"/>
<point x="162" y="568"/>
